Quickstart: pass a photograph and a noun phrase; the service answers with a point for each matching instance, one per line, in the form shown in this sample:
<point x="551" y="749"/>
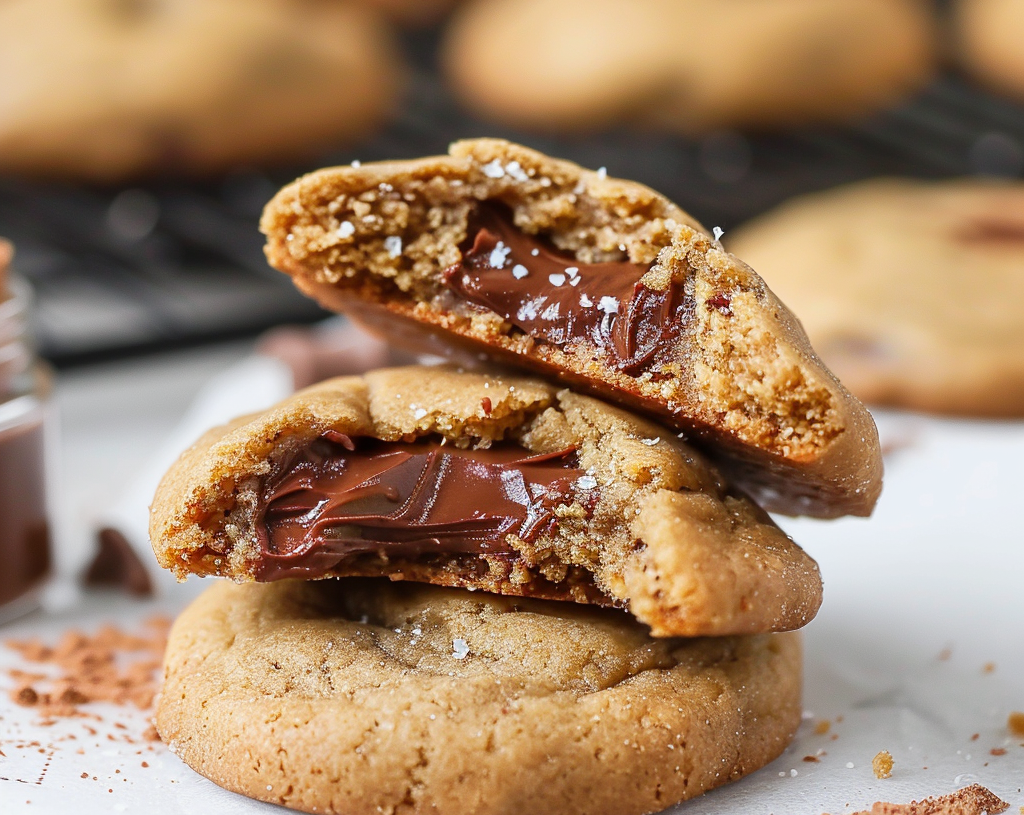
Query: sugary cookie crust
<point x="374" y="241"/>
<point x="364" y="697"/>
<point x="666" y="538"/>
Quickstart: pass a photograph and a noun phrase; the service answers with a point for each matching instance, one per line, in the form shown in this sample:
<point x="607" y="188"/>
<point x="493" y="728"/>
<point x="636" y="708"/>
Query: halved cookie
<point x="361" y="696"/>
<point x="598" y="282"/>
<point x="496" y="483"/>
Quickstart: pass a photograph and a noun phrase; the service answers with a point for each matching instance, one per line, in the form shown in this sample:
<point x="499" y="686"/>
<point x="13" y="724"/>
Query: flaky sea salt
<point x="651" y="442"/>
<point x="585" y="301"/>
<point x="556" y="279"/>
<point x="499" y="256"/>
<point x="602" y="172"/>
<point x="528" y="310"/>
<point x="346" y="229"/>
<point x="718" y="232"/>
<point x="551" y="312"/>
<point x="419" y="413"/>
<point x="609" y="305"/>
<point x="573" y="271"/>
<point x="493" y="169"/>
<point x="586" y="482"/>
<point x="393" y="244"/>
<point x="515" y="170"/>
<point x="460" y="649"/>
<point x="519" y="271"/>
<point x="535" y="252"/>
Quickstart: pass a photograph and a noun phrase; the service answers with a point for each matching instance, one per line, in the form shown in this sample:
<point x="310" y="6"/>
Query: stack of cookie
<point x="546" y="594"/>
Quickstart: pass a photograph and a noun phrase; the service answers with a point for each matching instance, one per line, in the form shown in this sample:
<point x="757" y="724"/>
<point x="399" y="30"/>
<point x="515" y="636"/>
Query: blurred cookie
<point x="913" y="292"/>
<point x="362" y="697"/>
<point x="412" y="13"/>
<point x="495" y="483"/>
<point x="497" y="251"/>
<point x="108" y="89"/>
<point x="990" y="34"/>
<point x="688" y="66"/>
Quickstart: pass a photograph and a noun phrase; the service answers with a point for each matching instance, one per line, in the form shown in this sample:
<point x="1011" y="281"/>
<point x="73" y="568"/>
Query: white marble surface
<point x="918" y="647"/>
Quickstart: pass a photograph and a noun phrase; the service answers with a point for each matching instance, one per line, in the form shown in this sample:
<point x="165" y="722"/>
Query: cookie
<point x="911" y="291"/>
<point x="989" y="35"/>
<point x="412" y="13"/>
<point x="596" y="282"/>
<point x="105" y="90"/>
<point x="496" y="483"/>
<point x="365" y="697"/>
<point x="686" y="66"/>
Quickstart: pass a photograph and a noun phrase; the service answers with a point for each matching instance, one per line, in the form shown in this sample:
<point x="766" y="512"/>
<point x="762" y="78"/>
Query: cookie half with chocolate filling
<point x="502" y="484"/>
<point x="597" y="282"/>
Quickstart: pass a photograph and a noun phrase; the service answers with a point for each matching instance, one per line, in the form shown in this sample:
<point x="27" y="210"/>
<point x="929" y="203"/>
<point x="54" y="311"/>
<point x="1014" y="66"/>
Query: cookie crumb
<point x="972" y="800"/>
<point x="881" y="764"/>
<point x="997" y="751"/>
<point x="988" y="667"/>
<point x="822" y="727"/>
<point x="460" y="649"/>
<point x="1015" y="723"/>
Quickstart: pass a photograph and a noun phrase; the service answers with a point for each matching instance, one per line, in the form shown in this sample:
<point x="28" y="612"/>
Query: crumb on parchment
<point x="882" y="763"/>
<point x="972" y="800"/>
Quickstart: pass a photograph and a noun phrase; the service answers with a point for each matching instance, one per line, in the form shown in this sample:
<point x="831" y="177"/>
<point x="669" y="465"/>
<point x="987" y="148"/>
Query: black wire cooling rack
<point x="167" y="264"/>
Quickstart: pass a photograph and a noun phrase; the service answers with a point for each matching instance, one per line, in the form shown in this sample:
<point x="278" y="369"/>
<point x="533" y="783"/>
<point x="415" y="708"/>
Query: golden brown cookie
<point x="688" y="66"/>
<point x="989" y="35"/>
<point x="108" y="89"/>
<point x="911" y="291"/>
<point x="361" y="697"/>
<point x="594" y="281"/>
<point x="495" y="483"/>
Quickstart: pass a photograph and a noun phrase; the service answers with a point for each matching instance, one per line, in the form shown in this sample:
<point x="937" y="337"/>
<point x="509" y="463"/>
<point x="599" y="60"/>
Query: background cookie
<point x="912" y="292"/>
<point x="436" y="253"/>
<point x="689" y="66"/>
<point x="989" y="34"/>
<point x="105" y="89"/>
<point x="445" y="701"/>
<point x="634" y="518"/>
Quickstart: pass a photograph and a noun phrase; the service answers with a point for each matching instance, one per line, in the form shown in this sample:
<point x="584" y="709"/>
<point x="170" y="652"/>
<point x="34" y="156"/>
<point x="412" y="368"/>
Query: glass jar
<point x="26" y="425"/>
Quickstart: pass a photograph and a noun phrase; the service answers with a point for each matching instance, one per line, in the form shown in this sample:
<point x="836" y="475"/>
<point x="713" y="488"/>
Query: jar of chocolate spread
<point x="25" y="426"/>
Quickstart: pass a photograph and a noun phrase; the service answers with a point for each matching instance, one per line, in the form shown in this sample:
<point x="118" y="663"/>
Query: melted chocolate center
<point x="549" y="295"/>
<point x="343" y="497"/>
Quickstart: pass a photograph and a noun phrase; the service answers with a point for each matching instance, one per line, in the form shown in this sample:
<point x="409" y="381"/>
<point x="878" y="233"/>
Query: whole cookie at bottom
<point x="369" y="697"/>
<point x="911" y="291"/>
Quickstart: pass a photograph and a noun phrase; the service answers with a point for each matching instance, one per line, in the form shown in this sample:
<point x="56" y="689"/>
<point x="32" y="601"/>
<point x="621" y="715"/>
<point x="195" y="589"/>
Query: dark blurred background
<point x="163" y="263"/>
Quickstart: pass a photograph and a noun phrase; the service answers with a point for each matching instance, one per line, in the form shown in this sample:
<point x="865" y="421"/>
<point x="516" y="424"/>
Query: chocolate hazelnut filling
<point x="342" y="497"/>
<point x="551" y="296"/>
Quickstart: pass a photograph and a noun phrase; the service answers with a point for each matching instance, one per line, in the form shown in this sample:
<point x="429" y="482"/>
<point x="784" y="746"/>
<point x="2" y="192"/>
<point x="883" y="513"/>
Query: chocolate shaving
<point x="117" y="565"/>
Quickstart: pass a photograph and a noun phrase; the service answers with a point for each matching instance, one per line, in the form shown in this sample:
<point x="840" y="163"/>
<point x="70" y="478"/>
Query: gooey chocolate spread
<point x="342" y="497"/>
<point x="553" y="297"/>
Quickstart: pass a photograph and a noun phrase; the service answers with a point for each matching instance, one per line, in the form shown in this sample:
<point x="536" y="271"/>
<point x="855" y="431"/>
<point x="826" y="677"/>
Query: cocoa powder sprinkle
<point x="108" y="666"/>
